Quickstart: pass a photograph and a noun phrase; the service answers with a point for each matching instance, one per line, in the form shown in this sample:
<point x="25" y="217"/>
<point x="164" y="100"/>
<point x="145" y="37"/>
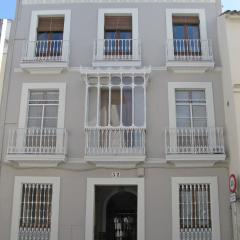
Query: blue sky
<point x="7" y="9"/>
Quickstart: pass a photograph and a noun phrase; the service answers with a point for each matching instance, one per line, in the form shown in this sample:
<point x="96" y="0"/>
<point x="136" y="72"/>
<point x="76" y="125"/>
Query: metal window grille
<point x="35" y="215"/>
<point x="195" y="212"/>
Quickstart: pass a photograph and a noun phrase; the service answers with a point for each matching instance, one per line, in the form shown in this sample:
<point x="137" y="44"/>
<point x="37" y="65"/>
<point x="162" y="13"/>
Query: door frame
<point x="90" y="202"/>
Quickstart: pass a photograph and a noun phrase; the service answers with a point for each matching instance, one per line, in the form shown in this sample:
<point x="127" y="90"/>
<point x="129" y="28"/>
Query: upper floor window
<point x="43" y="108"/>
<point x="186" y="27"/>
<point x="186" y="35"/>
<point x="49" y="36"/>
<point x="117" y="38"/>
<point x="191" y="108"/>
<point x="48" y="41"/>
<point x="116" y="101"/>
<point x="118" y="34"/>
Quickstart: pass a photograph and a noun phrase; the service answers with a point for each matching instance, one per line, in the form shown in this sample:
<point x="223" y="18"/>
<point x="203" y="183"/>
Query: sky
<point x="7" y="7"/>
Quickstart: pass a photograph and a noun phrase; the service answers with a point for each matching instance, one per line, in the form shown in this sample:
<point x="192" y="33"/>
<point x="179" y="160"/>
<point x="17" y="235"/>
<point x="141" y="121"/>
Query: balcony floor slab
<point x="35" y="160"/>
<point x="195" y="160"/>
<point x="115" y="161"/>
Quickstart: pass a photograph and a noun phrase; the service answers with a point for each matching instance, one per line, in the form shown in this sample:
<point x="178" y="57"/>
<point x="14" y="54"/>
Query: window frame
<point x="117" y="12"/>
<point x="190" y="105"/>
<point x="19" y="180"/>
<point x="213" y="181"/>
<point x="26" y="87"/>
<point x="172" y="86"/>
<point x="49" y="13"/>
<point x="186" y="12"/>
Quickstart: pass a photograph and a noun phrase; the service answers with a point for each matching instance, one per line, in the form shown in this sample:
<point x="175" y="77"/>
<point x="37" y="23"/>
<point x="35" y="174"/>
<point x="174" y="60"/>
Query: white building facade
<point x="229" y="35"/>
<point x="112" y="122"/>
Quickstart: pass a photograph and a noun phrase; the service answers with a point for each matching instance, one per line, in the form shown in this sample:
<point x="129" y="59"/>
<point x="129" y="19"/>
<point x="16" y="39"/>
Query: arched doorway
<point x="121" y="216"/>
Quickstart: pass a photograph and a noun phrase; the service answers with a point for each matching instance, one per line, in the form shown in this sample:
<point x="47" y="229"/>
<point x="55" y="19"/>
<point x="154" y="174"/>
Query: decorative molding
<point x="27" y="2"/>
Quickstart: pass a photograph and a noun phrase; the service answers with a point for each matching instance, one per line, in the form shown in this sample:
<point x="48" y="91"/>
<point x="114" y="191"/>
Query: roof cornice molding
<point x="28" y="2"/>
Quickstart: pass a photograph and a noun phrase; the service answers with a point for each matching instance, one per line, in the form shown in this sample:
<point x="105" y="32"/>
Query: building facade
<point x="5" y="26"/>
<point x="229" y="36"/>
<point x="112" y="122"/>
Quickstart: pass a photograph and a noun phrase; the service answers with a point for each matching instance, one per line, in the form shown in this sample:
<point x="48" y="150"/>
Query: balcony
<point x="199" y="146"/>
<point x="37" y="146"/>
<point x="50" y="56"/>
<point x="189" y="55"/>
<point x="117" y="52"/>
<point x="111" y="145"/>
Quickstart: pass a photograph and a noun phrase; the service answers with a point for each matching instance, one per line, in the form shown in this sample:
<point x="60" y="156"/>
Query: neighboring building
<point x="112" y="121"/>
<point x="5" y="26"/>
<point x="229" y="38"/>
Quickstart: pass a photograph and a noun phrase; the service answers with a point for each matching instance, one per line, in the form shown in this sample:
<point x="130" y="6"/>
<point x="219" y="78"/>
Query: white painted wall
<point x="4" y="38"/>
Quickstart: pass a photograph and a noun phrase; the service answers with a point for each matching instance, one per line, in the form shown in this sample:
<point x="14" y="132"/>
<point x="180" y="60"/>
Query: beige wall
<point x="229" y="38"/>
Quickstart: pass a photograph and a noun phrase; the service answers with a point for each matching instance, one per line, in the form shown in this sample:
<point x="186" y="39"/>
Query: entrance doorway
<point x="116" y="213"/>
<point x="115" y="209"/>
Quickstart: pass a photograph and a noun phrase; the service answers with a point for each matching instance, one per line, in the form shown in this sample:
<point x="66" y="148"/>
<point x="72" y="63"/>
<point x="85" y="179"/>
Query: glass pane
<point x="139" y="111"/>
<point x="92" y="106"/>
<point x="182" y="95"/>
<point x="51" y="111"/>
<point x="200" y="122"/>
<point x="115" y="107"/>
<point x="183" y="122"/>
<point x="193" y="32"/>
<point x="182" y="111"/>
<point x="115" y="80"/>
<point x="127" y="106"/>
<point x="49" y="123"/>
<point x="127" y="80"/>
<point x="199" y="111"/>
<point x="57" y="36"/>
<point x="36" y="95"/>
<point x="198" y="95"/>
<point x="35" y="111"/>
<point x="92" y="81"/>
<point x="110" y="35"/>
<point x="35" y="122"/>
<point x="104" y="107"/>
<point x="42" y="36"/>
<point x="104" y="80"/>
<point x="125" y="35"/>
<point x="52" y="95"/>
<point x="44" y="95"/>
<point x="138" y="80"/>
<point x="178" y="31"/>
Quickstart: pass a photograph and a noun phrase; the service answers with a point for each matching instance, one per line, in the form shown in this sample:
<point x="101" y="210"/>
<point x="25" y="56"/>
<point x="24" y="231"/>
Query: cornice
<point x="28" y="2"/>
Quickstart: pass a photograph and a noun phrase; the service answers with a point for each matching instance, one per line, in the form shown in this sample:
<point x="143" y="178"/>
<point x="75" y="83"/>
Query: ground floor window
<point x="35" y="208"/>
<point x="195" y="209"/>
